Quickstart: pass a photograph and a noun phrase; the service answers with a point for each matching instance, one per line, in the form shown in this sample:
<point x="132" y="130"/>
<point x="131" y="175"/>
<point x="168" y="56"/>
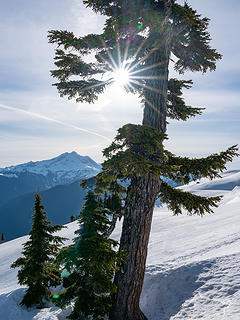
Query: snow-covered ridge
<point x="64" y="168"/>
<point x="228" y="181"/>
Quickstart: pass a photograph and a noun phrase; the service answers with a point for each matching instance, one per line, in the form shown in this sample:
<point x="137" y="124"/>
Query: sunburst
<point x="121" y="76"/>
<point x="126" y="71"/>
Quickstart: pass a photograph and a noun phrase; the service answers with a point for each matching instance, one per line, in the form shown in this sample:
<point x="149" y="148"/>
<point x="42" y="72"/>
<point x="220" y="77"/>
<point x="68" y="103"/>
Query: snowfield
<point x="193" y="266"/>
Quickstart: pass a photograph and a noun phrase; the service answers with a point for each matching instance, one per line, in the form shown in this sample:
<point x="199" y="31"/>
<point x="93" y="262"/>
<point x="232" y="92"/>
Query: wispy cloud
<point x="43" y="117"/>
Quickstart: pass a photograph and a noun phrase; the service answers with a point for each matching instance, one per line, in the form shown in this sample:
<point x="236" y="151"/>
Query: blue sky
<point x="25" y="88"/>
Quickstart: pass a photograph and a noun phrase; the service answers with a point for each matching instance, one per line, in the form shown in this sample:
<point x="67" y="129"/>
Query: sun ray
<point x="126" y="50"/>
<point x="95" y="85"/>
<point x="107" y="62"/>
<point x="142" y="59"/>
<point x="148" y="67"/>
<point x="131" y="86"/>
<point x="119" y="53"/>
<point x="103" y="69"/>
<point x="147" y="101"/>
<point x="147" y="77"/>
<point x="109" y="53"/>
<point x="100" y="55"/>
<point x="147" y="87"/>
<point x="152" y="106"/>
<point x="146" y="56"/>
<point x="139" y="48"/>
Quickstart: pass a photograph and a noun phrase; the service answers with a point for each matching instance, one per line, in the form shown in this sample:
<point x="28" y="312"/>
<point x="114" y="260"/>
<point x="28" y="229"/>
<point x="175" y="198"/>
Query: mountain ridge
<point x="65" y="168"/>
<point x="58" y="181"/>
<point x="45" y="174"/>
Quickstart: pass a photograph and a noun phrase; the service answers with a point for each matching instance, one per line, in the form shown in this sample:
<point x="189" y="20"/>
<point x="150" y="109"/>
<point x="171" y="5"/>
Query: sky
<point x="37" y="124"/>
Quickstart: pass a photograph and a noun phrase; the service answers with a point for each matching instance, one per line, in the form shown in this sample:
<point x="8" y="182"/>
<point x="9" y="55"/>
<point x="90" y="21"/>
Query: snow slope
<point x="193" y="269"/>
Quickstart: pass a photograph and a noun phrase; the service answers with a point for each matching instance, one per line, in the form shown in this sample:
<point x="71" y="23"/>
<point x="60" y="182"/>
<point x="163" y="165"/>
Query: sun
<point x="121" y="76"/>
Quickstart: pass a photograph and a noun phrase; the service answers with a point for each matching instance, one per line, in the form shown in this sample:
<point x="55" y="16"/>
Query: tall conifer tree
<point x="142" y="37"/>
<point x="36" y="268"/>
<point x="91" y="262"/>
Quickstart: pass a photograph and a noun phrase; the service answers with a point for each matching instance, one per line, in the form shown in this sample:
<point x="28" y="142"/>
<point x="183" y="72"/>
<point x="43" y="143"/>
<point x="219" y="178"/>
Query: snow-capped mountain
<point x="58" y="181"/>
<point x="193" y="269"/>
<point x="24" y="178"/>
<point x="66" y="168"/>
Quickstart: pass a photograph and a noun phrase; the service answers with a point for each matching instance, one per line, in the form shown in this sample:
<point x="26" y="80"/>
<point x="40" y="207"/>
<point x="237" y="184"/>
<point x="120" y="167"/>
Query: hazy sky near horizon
<point x="36" y="124"/>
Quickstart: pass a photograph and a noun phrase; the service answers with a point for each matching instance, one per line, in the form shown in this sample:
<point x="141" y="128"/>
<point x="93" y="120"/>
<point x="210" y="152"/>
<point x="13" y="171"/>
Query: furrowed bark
<point x="141" y="197"/>
<point x="155" y="108"/>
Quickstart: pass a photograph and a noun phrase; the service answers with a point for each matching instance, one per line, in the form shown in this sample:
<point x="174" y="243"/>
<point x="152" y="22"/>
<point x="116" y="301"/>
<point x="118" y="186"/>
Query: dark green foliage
<point x="91" y="262"/>
<point x="208" y="167"/>
<point x="73" y="218"/>
<point x="105" y="182"/>
<point x="112" y="202"/>
<point x="190" y="42"/>
<point x="176" y="107"/>
<point x="36" y="268"/>
<point x="177" y="200"/>
<point x="67" y="39"/>
<point x="138" y="150"/>
<point x="2" y="238"/>
<point x="82" y="90"/>
<point x="71" y="65"/>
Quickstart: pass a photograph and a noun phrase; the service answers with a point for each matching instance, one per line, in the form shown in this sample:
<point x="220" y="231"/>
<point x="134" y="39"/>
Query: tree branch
<point x="208" y="167"/>
<point x="116" y="215"/>
<point x="177" y="200"/>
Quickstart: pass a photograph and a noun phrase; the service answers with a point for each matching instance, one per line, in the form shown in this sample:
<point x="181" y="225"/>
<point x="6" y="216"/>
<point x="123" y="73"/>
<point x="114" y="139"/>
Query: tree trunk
<point x="155" y="95"/>
<point x="141" y="197"/>
<point x="143" y="191"/>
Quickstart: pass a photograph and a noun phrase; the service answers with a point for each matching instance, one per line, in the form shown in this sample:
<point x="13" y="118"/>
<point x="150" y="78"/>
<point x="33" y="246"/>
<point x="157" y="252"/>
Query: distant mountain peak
<point x="65" y="168"/>
<point x="69" y="154"/>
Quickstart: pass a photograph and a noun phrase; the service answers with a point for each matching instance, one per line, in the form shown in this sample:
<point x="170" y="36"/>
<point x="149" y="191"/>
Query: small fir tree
<point x="91" y="262"/>
<point x="3" y="238"/>
<point x="73" y="218"/>
<point x="36" y="268"/>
